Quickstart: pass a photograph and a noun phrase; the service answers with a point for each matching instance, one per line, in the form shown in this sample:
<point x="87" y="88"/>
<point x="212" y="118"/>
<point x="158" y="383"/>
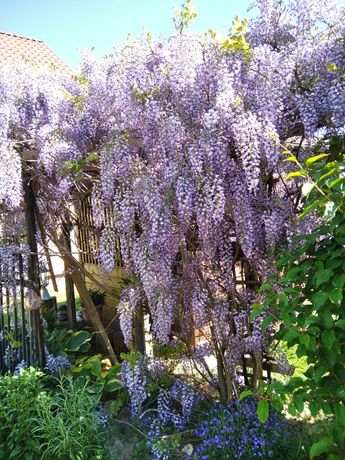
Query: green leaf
<point x="328" y="338"/>
<point x="339" y="434"/>
<point x="334" y="263"/>
<point x="340" y="323"/>
<point x="291" y="335"/>
<point x="245" y="394"/>
<point x="114" y="371"/>
<point x="266" y="322"/>
<point x="336" y="296"/>
<point x="17" y="450"/>
<point x="320" y="447"/>
<point x="314" y="408"/>
<point x="318" y="374"/>
<point x="328" y="356"/>
<point x="322" y="276"/>
<point x="85" y="347"/>
<point x="292" y="410"/>
<point x="312" y="160"/>
<point x="309" y="208"/>
<point x="263" y="410"/>
<point x="333" y="457"/>
<point x="304" y="339"/>
<point x="301" y="351"/>
<point x="339" y="280"/>
<point x="319" y="299"/>
<point x="340" y="413"/>
<point x="255" y="312"/>
<point x="325" y="407"/>
<point x="328" y="174"/>
<point x="292" y="273"/>
<point x="113" y="385"/>
<point x="294" y="160"/>
<point x="338" y="181"/>
<point x="95" y="365"/>
<point x="294" y="173"/>
<point x="77" y="340"/>
<point x="326" y="318"/>
<point x="299" y="403"/>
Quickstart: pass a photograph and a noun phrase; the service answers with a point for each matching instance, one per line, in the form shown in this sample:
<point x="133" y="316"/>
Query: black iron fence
<point x="17" y="341"/>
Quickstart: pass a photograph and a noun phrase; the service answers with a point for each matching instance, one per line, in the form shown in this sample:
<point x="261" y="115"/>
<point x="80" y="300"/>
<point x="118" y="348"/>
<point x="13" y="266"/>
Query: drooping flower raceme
<point x="188" y="137"/>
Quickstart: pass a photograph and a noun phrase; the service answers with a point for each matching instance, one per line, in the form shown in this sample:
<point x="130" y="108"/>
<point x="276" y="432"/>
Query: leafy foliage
<point x="105" y="378"/>
<point x="37" y="422"/>
<point x="66" y="342"/>
<point x="18" y="410"/>
<point x="308" y="297"/>
<point x="184" y="16"/>
<point x="66" y="423"/>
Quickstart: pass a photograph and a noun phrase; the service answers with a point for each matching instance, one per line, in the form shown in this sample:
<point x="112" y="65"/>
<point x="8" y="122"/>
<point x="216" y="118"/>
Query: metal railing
<point x="16" y="323"/>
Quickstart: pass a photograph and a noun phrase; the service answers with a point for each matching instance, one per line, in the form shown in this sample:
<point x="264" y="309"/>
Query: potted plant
<point x="62" y="313"/>
<point x="98" y="299"/>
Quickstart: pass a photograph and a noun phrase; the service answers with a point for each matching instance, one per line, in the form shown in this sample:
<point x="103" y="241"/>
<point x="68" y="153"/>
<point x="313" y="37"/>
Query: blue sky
<point x="67" y="26"/>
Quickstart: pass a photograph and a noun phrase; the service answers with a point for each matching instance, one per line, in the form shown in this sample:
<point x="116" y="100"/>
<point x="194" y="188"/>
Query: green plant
<point x="105" y="379"/>
<point x="184" y="16"/>
<point x="20" y="397"/>
<point x="309" y="300"/>
<point x="65" y="341"/>
<point x="66" y="423"/>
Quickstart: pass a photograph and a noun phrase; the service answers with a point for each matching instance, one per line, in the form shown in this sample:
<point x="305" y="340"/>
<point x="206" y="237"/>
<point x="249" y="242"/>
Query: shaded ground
<point x="124" y="442"/>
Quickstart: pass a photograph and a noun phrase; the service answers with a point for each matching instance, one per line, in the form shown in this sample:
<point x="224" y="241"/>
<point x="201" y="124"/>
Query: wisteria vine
<point x="189" y="135"/>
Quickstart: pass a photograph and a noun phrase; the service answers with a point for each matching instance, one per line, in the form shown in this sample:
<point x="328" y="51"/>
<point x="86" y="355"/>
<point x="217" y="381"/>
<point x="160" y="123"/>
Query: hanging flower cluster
<point x="189" y="135"/>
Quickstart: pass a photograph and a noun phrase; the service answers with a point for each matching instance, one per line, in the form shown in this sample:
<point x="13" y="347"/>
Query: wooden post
<point x="95" y="319"/>
<point x="33" y="265"/>
<point x="139" y="333"/>
<point x="69" y="286"/>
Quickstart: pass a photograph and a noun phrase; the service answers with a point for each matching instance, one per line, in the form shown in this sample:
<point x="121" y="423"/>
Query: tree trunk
<point x="139" y="333"/>
<point x="33" y="266"/>
<point x="224" y="397"/>
<point x="69" y="286"/>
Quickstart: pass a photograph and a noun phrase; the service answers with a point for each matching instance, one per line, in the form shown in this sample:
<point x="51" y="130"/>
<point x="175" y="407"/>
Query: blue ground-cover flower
<point x="234" y="431"/>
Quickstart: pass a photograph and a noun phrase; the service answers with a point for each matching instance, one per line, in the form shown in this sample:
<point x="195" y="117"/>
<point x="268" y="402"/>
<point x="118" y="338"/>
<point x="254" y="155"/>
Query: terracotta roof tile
<point x="15" y="47"/>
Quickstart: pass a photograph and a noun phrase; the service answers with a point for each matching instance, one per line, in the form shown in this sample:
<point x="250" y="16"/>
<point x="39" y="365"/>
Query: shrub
<point x="38" y="423"/>
<point x="18" y="394"/>
<point x="308" y="297"/>
<point x="235" y="432"/>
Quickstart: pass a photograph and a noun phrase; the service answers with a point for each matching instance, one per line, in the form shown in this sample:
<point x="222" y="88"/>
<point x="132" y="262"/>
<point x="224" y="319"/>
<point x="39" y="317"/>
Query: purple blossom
<point x="56" y="364"/>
